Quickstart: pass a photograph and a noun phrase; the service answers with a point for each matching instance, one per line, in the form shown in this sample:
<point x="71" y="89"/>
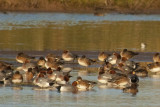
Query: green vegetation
<point x="135" y="6"/>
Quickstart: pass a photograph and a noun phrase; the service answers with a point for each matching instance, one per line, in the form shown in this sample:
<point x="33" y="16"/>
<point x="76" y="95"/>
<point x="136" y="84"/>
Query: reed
<point x="80" y="5"/>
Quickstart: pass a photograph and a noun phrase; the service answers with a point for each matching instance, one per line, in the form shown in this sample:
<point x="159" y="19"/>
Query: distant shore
<point x="82" y="6"/>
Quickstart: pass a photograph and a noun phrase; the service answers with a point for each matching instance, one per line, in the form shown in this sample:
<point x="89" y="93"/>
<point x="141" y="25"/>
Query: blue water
<point x="43" y="19"/>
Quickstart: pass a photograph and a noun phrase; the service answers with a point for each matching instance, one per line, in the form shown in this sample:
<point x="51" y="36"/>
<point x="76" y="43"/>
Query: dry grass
<point x="78" y="5"/>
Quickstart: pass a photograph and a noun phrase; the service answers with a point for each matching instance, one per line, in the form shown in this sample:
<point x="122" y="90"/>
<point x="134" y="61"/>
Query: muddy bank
<point x="82" y="6"/>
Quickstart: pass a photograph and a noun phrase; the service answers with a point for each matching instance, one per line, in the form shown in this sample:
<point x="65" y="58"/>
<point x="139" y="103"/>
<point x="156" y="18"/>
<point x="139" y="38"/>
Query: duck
<point x="62" y="79"/>
<point x="7" y="81"/>
<point x="52" y="64"/>
<point x="23" y="58"/>
<point x="58" y="76"/>
<point x="52" y="56"/>
<point x="156" y="57"/>
<point x="83" y="85"/>
<point x="124" y="68"/>
<point x="114" y="58"/>
<point x="107" y="66"/>
<point x="25" y="66"/>
<point x="133" y="78"/>
<point x="84" y="61"/>
<point x="141" y="71"/>
<point x="2" y="76"/>
<point x="6" y="73"/>
<point x="108" y="76"/>
<point x="102" y="56"/>
<point x="68" y="56"/>
<point x="42" y="81"/>
<point x="101" y="70"/>
<point x="29" y="75"/>
<point x="105" y="77"/>
<point x="128" y="54"/>
<point x="5" y="65"/>
<point x="4" y="79"/>
<point x="67" y="88"/>
<point x="154" y="67"/>
<point x="120" y="81"/>
<point x="143" y="46"/>
<point x="41" y="62"/>
<point x="133" y="89"/>
<point x="129" y="63"/>
<point x="17" y="78"/>
<point x="52" y="75"/>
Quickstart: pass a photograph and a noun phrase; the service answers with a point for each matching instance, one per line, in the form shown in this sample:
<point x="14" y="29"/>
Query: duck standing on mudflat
<point x="114" y="58"/>
<point x="84" y="61"/>
<point x="127" y="54"/>
<point x="68" y="56"/>
<point x="102" y="56"/>
<point x="23" y="58"/>
<point x="17" y="78"/>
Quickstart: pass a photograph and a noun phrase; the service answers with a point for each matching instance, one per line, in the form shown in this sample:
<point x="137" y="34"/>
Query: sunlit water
<point x="51" y="32"/>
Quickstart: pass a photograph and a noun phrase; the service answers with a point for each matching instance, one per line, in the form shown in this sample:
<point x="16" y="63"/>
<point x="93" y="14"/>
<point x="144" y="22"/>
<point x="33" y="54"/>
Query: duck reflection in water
<point x="133" y="89"/>
<point x="82" y="72"/>
<point x="17" y="88"/>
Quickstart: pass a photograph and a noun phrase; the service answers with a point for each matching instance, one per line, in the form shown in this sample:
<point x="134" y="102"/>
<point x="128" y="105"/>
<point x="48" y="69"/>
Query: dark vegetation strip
<point x="122" y="6"/>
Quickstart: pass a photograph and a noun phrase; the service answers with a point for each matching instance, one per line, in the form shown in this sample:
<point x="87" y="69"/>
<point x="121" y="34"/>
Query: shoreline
<point x="96" y="13"/>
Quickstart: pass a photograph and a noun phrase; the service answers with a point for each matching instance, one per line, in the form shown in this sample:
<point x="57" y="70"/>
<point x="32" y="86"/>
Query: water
<point x="41" y="33"/>
<point x="56" y="31"/>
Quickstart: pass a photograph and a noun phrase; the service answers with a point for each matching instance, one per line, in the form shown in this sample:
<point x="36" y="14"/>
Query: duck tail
<point x="94" y="82"/>
<point x="59" y="88"/>
<point x="136" y="53"/>
<point x="31" y="57"/>
<point x="93" y="60"/>
<point x="76" y="56"/>
<point x="1" y="82"/>
<point x="51" y="84"/>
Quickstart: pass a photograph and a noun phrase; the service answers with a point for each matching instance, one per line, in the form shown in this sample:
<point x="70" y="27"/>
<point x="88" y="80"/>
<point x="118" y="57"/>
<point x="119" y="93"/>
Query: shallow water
<point x="41" y="33"/>
<point x="147" y="96"/>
